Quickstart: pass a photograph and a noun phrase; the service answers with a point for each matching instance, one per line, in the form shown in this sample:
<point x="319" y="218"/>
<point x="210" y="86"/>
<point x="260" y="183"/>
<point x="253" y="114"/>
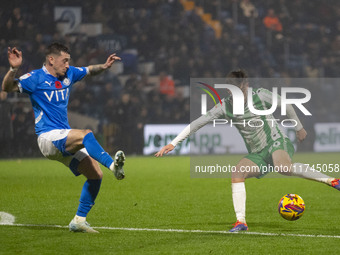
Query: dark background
<point x="180" y="45"/>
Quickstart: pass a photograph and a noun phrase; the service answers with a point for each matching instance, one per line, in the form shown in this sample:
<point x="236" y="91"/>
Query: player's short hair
<point x="56" y="48"/>
<point x="237" y="77"/>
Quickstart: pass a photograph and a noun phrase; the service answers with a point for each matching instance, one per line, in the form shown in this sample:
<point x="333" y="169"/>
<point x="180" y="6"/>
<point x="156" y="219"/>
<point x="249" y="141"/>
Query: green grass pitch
<point x="159" y="194"/>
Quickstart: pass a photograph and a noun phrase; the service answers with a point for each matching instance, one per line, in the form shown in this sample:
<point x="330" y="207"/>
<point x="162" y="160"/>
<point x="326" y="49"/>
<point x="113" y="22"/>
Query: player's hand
<point x="110" y="60"/>
<point x="165" y="150"/>
<point x="301" y="135"/>
<point x="14" y="57"/>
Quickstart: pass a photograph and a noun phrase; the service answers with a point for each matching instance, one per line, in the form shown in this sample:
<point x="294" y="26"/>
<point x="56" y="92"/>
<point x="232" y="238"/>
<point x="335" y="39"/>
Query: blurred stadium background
<point x="162" y="44"/>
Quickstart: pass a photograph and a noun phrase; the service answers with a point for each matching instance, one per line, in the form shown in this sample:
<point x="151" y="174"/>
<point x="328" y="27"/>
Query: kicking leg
<point x="91" y="170"/>
<point x="282" y="160"/>
<point x="78" y="139"/>
<point x="244" y="169"/>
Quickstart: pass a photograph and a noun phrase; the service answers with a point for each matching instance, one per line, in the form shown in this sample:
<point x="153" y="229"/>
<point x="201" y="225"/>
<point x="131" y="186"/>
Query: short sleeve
<point x="27" y="83"/>
<point x="78" y="73"/>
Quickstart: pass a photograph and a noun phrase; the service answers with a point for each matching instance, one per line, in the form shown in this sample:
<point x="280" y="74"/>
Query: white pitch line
<point x="182" y="231"/>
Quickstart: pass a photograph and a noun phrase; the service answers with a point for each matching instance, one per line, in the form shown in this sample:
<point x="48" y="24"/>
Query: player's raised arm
<point x="97" y="69"/>
<point x="9" y="84"/>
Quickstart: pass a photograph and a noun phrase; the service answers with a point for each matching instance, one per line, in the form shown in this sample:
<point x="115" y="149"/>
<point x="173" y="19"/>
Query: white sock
<point x="239" y="200"/>
<point x="79" y="219"/>
<point x="304" y="171"/>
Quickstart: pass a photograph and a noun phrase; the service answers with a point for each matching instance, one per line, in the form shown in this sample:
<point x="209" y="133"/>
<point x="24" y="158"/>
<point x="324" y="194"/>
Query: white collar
<point x="45" y="69"/>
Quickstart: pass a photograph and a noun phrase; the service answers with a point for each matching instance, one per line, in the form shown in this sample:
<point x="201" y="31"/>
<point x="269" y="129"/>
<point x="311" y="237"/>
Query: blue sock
<point x="96" y="151"/>
<point x="88" y="195"/>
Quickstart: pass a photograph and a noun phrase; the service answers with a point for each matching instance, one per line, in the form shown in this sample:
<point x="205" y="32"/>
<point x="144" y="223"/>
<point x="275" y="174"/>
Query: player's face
<point x="61" y="63"/>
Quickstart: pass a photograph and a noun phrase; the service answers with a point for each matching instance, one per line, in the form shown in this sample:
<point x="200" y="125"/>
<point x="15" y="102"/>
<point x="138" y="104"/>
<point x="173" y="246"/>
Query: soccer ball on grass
<point x="291" y="207"/>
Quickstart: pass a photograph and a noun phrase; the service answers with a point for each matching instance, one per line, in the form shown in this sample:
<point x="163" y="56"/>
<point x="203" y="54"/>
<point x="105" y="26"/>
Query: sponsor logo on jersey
<point x="57" y="95"/>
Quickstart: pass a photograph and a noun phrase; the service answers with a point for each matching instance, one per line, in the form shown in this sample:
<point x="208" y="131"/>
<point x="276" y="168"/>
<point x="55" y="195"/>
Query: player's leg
<point x="244" y="169"/>
<point x="282" y="161"/>
<point x="78" y="139"/>
<point x="52" y="146"/>
<point x="91" y="170"/>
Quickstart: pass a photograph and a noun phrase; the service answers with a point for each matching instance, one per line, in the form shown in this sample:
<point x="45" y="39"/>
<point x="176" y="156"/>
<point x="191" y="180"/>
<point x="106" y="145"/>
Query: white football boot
<point x="81" y="227"/>
<point x="117" y="166"/>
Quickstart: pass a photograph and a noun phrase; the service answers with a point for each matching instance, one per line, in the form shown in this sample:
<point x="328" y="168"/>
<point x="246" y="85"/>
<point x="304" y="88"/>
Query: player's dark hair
<point x="56" y="48"/>
<point x="237" y="77"/>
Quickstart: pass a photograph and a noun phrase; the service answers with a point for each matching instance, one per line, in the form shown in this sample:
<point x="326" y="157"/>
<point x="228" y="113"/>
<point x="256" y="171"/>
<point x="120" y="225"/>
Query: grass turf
<point x="159" y="193"/>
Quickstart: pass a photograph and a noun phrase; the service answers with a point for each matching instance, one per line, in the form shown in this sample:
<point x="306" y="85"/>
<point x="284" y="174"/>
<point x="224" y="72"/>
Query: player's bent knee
<point x="86" y="131"/>
<point x="83" y="132"/>
<point x="237" y="180"/>
<point x="284" y="169"/>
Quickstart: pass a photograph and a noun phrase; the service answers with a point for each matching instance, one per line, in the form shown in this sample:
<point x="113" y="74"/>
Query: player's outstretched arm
<point x="214" y="113"/>
<point x="165" y="150"/>
<point x="9" y="84"/>
<point x="97" y="69"/>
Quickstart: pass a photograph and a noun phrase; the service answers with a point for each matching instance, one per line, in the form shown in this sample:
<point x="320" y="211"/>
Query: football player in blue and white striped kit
<point x="49" y="90"/>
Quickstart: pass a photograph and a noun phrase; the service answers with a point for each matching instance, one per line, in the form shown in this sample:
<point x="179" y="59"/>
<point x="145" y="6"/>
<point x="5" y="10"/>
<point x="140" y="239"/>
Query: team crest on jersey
<point x="66" y="81"/>
<point x="58" y="85"/>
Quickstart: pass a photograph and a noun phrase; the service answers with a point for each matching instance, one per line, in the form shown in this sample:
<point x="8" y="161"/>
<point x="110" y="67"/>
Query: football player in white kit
<point x="267" y="145"/>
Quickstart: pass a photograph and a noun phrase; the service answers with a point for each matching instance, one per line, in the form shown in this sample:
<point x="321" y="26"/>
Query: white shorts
<point x="52" y="146"/>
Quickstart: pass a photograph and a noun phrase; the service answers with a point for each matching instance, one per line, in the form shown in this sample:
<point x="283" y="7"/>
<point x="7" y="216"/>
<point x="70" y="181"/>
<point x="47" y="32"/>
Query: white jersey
<point x="257" y="131"/>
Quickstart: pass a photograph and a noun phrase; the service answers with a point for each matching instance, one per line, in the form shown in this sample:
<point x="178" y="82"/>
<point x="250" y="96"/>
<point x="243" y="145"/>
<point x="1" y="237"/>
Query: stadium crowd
<point x="267" y="38"/>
